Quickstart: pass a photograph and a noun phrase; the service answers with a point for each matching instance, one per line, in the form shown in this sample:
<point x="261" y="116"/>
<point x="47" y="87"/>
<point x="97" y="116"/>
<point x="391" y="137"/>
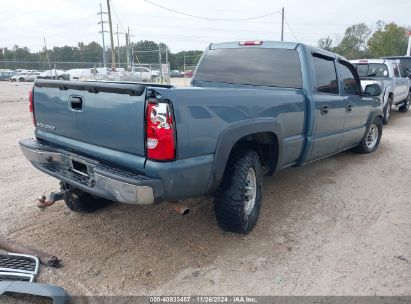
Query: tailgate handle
<point x="76" y="103"/>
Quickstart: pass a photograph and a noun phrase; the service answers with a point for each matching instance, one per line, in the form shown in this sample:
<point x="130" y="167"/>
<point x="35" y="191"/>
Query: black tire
<point x="82" y="202"/>
<point x="60" y="78"/>
<point x="230" y="200"/>
<point x="406" y="106"/>
<point x="365" y="145"/>
<point x="387" y="111"/>
<point x="21" y="79"/>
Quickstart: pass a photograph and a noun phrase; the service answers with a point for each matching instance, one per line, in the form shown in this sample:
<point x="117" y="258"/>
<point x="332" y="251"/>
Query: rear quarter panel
<point x="204" y="114"/>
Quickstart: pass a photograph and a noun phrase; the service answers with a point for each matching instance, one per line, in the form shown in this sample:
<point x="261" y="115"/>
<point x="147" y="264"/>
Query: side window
<point x="351" y="86"/>
<point x="325" y="75"/>
<point x="396" y="71"/>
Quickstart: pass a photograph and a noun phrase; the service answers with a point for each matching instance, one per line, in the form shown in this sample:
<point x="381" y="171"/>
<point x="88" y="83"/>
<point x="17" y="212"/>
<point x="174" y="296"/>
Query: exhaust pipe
<point x="180" y="208"/>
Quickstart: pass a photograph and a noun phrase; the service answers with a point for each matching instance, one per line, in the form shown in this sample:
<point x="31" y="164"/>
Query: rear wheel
<point x="387" y="111"/>
<point x="237" y="202"/>
<point x="21" y="79"/>
<point x="82" y="202"/>
<point x="406" y="106"/>
<point x="372" y="137"/>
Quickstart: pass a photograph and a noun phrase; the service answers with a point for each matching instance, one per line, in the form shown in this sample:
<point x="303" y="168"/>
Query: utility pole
<point x="47" y="56"/>
<point x="128" y="53"/>
<point x="113" y="54"/>
<point x="102" y="33"/>
<point x="282" y="24"/>
<point x="159" y="62"/>
<point x="184" y="61"/>
<point x="118" y="45"/>
<point x="168" y="66"/>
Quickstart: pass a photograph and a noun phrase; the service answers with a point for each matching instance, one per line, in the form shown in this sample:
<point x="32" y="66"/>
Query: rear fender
<point x="230" y="136"/>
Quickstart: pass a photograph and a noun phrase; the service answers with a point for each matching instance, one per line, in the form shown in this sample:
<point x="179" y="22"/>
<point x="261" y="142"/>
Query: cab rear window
<point x="252" y="66"/>
<point x="371" y="69"/>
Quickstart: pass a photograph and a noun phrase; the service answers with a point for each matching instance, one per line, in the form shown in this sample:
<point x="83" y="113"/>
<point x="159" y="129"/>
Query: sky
<point x="66" y="22"/>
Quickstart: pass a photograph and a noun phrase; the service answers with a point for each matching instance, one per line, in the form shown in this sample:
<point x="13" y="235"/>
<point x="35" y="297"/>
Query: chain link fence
<point x="137" y="72"/>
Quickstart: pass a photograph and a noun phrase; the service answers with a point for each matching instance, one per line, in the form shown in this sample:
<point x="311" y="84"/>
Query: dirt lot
<point x="341" y="226"/>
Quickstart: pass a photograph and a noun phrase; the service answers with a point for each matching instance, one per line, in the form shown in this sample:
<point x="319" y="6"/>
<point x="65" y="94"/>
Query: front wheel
<point x="406" y="106"/>
<point x="372" y="137"/>
<point x="387" y="112"/>
<point x="237" y="202"/>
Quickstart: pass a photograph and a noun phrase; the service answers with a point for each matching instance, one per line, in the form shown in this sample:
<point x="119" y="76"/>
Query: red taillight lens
<point x="31" y="106"/>
<point x="160" y="137"/>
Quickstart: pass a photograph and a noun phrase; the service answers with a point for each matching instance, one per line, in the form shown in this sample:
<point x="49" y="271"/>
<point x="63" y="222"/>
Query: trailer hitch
<point x="43" y="201"/>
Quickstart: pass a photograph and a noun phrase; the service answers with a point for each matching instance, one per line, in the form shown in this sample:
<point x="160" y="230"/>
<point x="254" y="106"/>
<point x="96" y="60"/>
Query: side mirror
<point x="373" y="90"/>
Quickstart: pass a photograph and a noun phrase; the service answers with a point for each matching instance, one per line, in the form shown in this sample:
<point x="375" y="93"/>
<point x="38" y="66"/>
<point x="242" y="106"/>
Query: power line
<point x="117" y="17"/>
<point x="290" y="29"/>
<point x="209" y="18"/>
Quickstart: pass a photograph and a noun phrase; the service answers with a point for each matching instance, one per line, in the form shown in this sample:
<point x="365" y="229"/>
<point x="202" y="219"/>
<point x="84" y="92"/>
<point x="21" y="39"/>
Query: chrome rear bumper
<point x="91" y="176"/>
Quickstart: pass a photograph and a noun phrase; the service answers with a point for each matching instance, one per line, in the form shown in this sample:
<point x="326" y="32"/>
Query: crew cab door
<point x="357" y="109"/>
<point x="330" y="108"/>
<point x="400" y="84"/>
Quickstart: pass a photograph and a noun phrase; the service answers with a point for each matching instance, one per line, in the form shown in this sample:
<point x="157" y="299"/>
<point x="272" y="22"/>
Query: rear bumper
<point x="95" y="178"/>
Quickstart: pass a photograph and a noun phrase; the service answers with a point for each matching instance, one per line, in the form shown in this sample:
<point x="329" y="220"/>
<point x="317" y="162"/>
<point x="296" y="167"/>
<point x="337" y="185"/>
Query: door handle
<point x="76" y="103"/>
<point x="324" y="110"/>
<point x="349" y="107"/>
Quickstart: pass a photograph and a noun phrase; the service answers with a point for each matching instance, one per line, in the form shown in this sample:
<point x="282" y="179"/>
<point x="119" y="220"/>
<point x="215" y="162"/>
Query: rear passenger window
<point x="351" y="86"/>
<point x="325" y="75"/>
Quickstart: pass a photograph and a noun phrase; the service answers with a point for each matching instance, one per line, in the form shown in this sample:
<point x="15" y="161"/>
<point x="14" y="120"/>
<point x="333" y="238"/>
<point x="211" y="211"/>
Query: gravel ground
<point x="340" y="226"/>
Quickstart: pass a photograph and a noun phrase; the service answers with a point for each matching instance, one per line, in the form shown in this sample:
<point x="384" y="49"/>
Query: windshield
<point x="251" y="66"/>
<point x="371" y="69"/>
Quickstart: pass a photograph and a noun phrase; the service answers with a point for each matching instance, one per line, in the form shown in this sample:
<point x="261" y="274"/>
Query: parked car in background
<point x="54" y="74"/>
<point x="175" y="73"/>
<point x="395" y="89"/>
<point x="6" y="75"/>
<point x="144" y="144"/>
<point x="25" y="76"/>
<point x="405" y="62"/>
<point x="155" y="74"/>
<point x="142" y="73"/>
<point x="188" y="73"/>
<point x="89" y="74"/>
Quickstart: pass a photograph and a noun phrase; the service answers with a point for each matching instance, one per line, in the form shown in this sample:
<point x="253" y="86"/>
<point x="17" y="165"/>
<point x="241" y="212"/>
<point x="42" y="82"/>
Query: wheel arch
<point x="263" y="135"/>
<point x="374" y="114"/>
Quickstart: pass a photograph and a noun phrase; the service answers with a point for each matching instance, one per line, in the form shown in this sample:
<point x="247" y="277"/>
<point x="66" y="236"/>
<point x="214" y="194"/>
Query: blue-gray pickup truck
<point x="253" y="107"/>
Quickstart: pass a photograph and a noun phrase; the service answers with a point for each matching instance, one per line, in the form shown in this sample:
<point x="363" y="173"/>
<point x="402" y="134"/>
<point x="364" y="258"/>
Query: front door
<point x="357" y="108"/>
<point x="330" y="109"/>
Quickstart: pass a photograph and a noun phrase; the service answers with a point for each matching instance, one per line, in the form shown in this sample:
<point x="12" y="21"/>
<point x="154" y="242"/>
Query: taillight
<point x="31" y="106"/>
<point x="160" y="129"/>
<point x="252" y="42"/>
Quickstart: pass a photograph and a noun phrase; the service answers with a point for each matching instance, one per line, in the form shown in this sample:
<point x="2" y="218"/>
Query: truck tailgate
<point x="107" y="115"/>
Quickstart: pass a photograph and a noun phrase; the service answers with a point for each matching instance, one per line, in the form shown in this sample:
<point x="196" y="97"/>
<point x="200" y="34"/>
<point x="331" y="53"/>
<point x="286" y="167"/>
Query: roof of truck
<point x="365" y="61"/>
<point x="258" y="43"/>
<point x="271" y="44"/>
<point x="397" y="57"/>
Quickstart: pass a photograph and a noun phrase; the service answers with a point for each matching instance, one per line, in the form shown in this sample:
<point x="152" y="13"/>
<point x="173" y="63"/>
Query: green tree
<point x="354" y="43"/>
<point x="389" y="40"/>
